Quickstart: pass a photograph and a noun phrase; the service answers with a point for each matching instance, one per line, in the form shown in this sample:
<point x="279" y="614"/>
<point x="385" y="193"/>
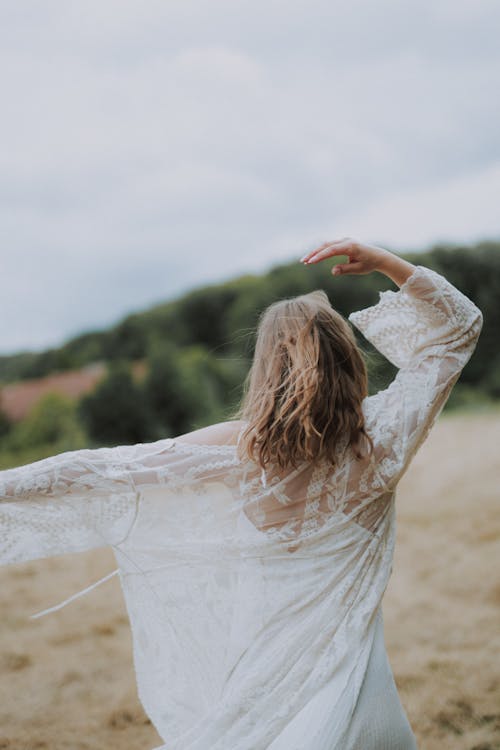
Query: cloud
<point x="459" y="210"/>
<point x="152" y="147"/>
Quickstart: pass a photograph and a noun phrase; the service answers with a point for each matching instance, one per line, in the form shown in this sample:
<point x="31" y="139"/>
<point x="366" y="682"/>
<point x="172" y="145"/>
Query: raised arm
<point x="362" y="259"/>
<point x="428" y="329"/>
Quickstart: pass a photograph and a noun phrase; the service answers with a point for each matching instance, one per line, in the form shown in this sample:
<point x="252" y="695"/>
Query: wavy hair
<point x="303" y="393"/>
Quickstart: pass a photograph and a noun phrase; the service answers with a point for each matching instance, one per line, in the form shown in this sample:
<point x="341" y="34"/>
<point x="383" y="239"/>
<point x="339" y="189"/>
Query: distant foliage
<point x="127" y="340"/>
<point x="187" y="388"/>
<point x="116" y="411"/>
<point x="53" y="420"/>
<point x="51" y="427"/>
<point x="172" y="405"/>
<point x="5" y="425"/>
<point x="197" y="349"/>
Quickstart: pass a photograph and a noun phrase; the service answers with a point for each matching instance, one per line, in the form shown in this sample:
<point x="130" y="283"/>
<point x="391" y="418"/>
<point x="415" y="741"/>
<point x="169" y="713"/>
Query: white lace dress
<point x="255" y="597"/>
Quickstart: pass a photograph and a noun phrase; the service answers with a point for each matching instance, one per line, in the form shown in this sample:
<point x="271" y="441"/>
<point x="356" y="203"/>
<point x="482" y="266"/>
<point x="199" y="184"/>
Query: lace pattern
<point x="248" y="592"/>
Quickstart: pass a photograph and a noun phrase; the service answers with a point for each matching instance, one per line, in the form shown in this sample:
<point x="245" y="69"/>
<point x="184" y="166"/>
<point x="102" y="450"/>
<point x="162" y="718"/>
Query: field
<point x="67" y="680"/>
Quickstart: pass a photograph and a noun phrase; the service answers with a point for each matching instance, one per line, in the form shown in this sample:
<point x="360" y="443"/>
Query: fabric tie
<point x="74" y="596"/>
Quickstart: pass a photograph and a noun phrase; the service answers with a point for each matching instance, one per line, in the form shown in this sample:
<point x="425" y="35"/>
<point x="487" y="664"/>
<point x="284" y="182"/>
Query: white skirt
<point x="378" y="721"/>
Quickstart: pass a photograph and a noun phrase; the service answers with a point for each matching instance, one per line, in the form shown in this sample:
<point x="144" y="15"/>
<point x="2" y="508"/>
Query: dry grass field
<point x="67" y="679"/>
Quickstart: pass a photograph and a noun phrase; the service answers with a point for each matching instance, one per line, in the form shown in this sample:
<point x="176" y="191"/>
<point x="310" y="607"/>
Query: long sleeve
<point x="429" y="330"/>
<point x="74" y="501"/>
<point x="89" y="498"/>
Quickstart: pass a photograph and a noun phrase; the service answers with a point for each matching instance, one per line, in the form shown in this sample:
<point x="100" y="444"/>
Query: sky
<point x="151" y="147"/>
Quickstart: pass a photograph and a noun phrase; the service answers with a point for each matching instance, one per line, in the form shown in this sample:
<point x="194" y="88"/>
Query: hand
<point x="362" y="258"/>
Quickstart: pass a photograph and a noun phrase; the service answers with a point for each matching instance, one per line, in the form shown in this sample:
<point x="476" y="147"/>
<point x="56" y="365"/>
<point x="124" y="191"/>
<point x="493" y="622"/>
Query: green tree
<point x="5" y="424"/>
<point x="168" y="395"/>
<point x="188" y="388"/>
<point x="201" y="315"/>
<point x="203" y="384"/>
<point x="127" y="340"/>
<point x="53" y="421"/>
<point x="116" y="411"/>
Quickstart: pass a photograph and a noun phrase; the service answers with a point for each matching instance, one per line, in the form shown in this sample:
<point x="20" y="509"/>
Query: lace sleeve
<point x="90" y="498"/>
<point x="428" y="329"/>
<point x="70" y="502"/>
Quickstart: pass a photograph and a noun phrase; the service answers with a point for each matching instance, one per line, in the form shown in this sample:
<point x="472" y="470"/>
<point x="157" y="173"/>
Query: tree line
<point x="198" y="349"/>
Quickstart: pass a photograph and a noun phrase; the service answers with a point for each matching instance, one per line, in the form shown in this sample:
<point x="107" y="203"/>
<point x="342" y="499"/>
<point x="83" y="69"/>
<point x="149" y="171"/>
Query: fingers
<point x="319" y="252"/>
<point x="328" y="250"/>
<point x="344" y="268"/>
<point x="307" y="257"/>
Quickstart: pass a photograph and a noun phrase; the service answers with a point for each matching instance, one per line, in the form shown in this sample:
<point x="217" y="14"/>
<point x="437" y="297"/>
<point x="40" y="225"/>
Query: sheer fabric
<point x="252" y="592"/>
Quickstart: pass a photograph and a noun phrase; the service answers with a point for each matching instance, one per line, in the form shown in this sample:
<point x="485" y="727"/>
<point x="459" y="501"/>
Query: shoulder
<point x="222" y="433"/>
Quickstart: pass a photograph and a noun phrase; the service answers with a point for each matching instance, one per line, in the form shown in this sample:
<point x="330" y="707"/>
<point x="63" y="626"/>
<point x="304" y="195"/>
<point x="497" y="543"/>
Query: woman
<point x="254" y="554"/>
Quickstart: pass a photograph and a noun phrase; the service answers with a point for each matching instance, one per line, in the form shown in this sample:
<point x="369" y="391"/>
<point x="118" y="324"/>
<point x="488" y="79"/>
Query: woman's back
<point x="299" y="559"/>
<point x="254" y="591"/>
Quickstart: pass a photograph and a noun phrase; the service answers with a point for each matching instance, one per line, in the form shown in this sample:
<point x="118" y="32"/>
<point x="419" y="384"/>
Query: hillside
<point x="19" y="398"/>
<point x="198" y="348"/>
<point x="221" y="317"/>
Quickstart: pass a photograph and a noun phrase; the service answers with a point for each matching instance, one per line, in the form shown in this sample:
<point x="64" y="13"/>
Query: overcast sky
<point x="148" y="147"/>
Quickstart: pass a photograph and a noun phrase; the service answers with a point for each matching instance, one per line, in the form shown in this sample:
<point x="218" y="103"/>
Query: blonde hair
<point x="303" y="393"/>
